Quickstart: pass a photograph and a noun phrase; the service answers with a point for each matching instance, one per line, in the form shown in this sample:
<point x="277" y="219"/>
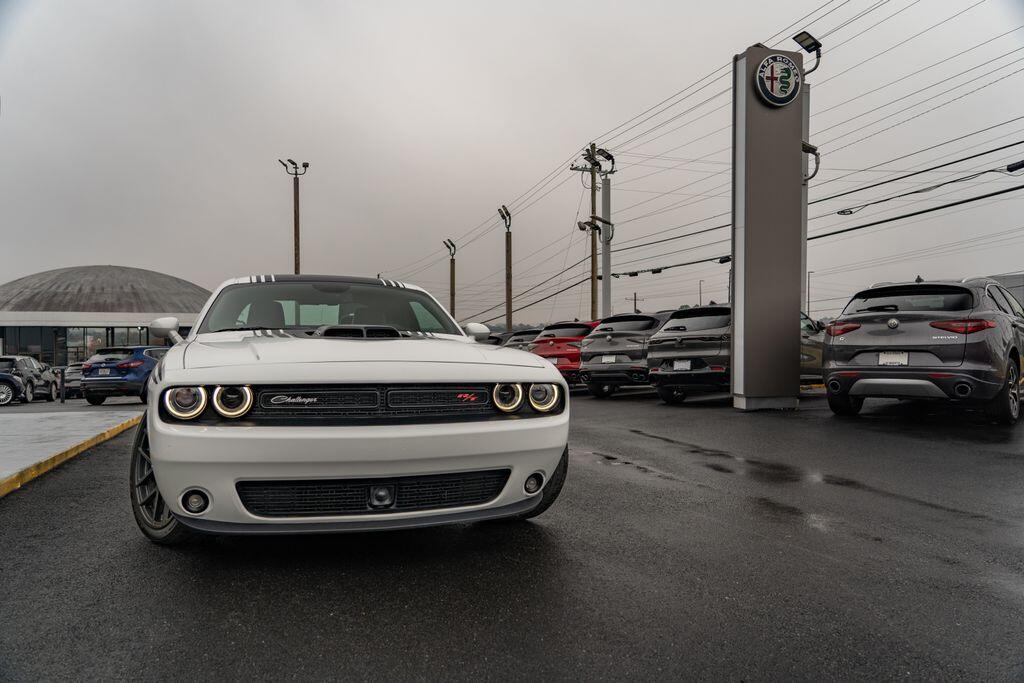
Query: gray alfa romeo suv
<point x="614" y="354"/>
<point x="958" y="341"/>
<point x="691" y="353"/>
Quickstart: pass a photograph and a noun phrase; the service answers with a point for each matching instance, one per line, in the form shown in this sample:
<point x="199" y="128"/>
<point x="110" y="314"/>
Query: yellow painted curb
<point x="16" y="480"/>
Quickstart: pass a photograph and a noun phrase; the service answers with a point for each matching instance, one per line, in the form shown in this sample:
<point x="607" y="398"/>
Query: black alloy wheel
<point x="150" y="509"/>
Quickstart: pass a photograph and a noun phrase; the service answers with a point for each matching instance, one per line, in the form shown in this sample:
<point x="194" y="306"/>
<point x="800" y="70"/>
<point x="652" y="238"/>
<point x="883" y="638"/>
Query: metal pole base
<point x="765" y="402"/>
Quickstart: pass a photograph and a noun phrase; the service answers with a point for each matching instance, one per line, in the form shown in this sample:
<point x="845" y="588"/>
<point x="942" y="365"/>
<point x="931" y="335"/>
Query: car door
<point x="1016" y="315"/>
<point x="29" y="374"/>
<point x="812" y="345"/>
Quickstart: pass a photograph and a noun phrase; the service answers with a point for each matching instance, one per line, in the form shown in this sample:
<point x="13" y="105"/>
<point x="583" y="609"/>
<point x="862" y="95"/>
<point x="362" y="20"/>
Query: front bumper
<point x="931" y="383"/>
<point x="215" y="458"/>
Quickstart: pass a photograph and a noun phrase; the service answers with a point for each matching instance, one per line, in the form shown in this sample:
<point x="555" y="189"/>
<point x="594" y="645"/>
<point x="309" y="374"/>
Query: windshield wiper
<point x="241" y="329"/>
<point x="878" y="309"/>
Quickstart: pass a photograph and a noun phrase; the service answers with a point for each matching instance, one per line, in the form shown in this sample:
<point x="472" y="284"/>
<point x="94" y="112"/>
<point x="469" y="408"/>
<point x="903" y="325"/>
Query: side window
<point x="156" y="354"/>
<point x="997" y="297"/>
<point x="425" y="319"/>
<point x="1012" y="300"/>
<point x="807" y="325"/>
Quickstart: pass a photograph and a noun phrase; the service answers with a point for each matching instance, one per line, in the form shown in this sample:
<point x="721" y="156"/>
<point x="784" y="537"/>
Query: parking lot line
<point x="27" y="474"/>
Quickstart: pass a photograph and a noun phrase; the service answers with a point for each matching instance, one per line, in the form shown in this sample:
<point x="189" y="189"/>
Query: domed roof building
<point x="63" y="315"/>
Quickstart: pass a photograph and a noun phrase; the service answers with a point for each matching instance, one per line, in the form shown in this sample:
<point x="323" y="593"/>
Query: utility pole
<point x="294" y="172"/>
<point x="506" y="217"/>
<point x="607" y="233"/>
<point x="450" y="245"/>
<point x="635" y="301"/>
<point x="700" y="292"/>
<point x="593" y="167"/>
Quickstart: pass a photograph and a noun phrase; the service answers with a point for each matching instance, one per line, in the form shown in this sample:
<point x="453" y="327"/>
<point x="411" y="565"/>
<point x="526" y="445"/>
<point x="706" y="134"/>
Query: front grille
<point x="372" y="403"/>
<point x="329" y="497"/>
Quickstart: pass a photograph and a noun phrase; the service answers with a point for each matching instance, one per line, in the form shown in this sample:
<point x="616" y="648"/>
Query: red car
<point x="560" y="344"/>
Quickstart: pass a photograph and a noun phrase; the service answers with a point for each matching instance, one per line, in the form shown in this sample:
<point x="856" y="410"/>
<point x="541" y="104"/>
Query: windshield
<point x="633" y="323"/>
<point x="528" y="335"/>
<point x="699" y="319"/>
<point x="6" y="364"/>
<point x="309" y="305"/>
<point x="568" y="330"/>
<point x="911" y="298"/>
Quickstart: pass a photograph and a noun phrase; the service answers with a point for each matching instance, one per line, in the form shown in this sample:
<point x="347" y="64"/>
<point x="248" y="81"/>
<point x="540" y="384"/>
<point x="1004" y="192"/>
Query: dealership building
<point x="63" y="316"/>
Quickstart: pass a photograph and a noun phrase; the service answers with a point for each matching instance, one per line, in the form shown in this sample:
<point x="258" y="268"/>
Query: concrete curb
<point x="16" y="480"/>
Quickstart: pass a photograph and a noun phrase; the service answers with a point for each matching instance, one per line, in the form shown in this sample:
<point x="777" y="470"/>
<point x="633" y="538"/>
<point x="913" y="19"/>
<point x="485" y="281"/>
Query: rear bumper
<point x="112" y="387"/>
<point x="693" y="378"/>
<point x="617" y="374"/>
<point x="962" y="385"/>
<point x="570" y="369"/>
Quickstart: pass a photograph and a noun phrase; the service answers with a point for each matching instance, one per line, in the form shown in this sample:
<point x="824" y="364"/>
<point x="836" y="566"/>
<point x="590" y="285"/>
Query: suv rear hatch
<point x="901" y="325"/>
<point x="560" y="342"/>
<point x="694" y="333"/>
<point x="110" y="363"/>
<point x="620" y="339"/>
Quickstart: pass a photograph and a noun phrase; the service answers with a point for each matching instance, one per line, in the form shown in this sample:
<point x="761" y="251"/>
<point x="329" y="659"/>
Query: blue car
<point x="119" y="371"/>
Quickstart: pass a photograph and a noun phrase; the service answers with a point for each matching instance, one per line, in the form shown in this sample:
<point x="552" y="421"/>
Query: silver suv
<point x="615" y="353"/>
<point x="958" y="341"/>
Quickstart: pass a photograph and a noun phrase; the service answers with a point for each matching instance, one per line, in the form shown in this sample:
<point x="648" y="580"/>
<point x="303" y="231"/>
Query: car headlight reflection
<point x="185" y="403"/>
<point x="232" y="402"/>
<point x="543" y="397"/>
<point x="508" y="397"/>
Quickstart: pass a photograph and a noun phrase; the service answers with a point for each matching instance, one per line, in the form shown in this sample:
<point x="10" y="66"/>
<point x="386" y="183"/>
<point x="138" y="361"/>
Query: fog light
<point x="195" y="501"/>
<point x="382" y="496"/>
<point x="534" y="482"/>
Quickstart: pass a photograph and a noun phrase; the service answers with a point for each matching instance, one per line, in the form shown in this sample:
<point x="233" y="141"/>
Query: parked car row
<point x="959" y="341"/>
<point x="117" y="371"/>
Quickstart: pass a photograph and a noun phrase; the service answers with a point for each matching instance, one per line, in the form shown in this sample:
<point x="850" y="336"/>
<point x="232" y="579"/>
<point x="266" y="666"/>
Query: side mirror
<point x="165" y="328"/>
<point x="477" y="331"/>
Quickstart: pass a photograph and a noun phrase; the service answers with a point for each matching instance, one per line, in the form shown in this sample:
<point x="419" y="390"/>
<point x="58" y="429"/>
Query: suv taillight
<point x="86" y="367"/>
<point x="963" y="326"/>
<point x="129" y="364"/>
<point x="838" y="327"/>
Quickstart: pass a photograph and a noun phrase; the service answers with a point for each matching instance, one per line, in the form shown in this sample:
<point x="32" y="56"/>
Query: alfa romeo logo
<point x="778" y="80"/>
<point x="893" y="323"/>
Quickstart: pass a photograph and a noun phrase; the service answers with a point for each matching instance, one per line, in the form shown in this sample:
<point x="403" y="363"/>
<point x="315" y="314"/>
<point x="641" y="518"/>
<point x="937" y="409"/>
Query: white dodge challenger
<point x="301" y="403"/>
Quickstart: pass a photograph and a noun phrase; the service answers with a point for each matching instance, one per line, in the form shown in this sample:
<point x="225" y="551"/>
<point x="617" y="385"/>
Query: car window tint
<point x="700" y="322"/>
<point x="922" y="298"/>
<point x="155" y="353"/>
<point x="633" y="323"/>
<point x="427" y="320"/>
<point x="110" y="354"/>
<point x="565" y="331"/>
<point x="999" y="299"/>
<point x="6" y="364"/>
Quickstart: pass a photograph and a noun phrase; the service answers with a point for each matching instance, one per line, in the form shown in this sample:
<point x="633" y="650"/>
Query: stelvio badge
<point x="777" y="80"/>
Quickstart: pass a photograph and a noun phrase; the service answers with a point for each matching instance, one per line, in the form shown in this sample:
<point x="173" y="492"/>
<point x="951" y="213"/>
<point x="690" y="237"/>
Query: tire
<point x="671" y="395"/>
<point x="52" y="395"/>
<point x="144" y="396"/>
<point x="30" y="393"/>
<point x="149" y="509"/>
<point x="6" y="393"/>
<point x="600" y="390"/>
<point x="94" y="400"/>
<point x="550" y="491"/>
<point x="845" y="405"/>
<point x="1005" y="407"/>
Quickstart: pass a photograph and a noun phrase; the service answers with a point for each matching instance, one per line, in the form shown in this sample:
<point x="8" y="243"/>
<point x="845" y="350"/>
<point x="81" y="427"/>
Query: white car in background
<point x="303" y="403"/>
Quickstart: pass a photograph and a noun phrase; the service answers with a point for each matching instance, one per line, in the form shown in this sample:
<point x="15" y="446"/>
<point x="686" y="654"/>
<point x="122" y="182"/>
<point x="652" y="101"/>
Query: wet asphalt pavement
<point x="689" y="542"/>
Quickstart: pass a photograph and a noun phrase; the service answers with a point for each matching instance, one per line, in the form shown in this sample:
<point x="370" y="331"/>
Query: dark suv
<point x="120" y="371"/>
<point x="520" y="339"/>
<point x="959" y="341"/>
<point x="24" y="378"/>
<point x="691" y="353"/>
<point x="615" y="353"/>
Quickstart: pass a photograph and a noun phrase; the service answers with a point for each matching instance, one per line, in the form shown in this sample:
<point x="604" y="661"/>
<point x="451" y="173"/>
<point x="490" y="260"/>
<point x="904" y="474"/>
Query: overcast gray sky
<point x="146" y="134"/>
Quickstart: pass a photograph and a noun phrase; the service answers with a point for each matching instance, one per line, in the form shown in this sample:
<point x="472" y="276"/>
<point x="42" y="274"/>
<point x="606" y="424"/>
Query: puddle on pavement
<point x="772" y="472"/>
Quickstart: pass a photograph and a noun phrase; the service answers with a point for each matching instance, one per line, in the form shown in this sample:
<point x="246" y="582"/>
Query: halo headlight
<point x="508" y="397"/>
<point x="185" y="403"/>
<point x="232" y="402"/>
<point x="543" y="397"/>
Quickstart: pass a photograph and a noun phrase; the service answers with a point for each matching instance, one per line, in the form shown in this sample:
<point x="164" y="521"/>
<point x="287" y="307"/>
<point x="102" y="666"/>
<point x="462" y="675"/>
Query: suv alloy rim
<point x="1014" y="391"/>
<point x="147" y="496"/>
<point x="6" y="394"/>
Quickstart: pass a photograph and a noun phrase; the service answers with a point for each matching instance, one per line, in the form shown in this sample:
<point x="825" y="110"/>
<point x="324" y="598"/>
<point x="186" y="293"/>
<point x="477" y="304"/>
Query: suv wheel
<point x="601" y="390"/>
<point x="95" y="400"/>
<point x="671" y="395"/>
<point x="52" y="395"/>
<point x="844" y="404"/>
<point x="30" y="393"/>
<point x="6" y="393"/>
<point x="1005" y="407"/>
<point x="151" y="512"/>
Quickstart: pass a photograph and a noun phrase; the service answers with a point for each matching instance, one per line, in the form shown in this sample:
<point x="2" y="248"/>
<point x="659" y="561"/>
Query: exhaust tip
<point x="834" y="386"/>
<point x="963" y="389"/>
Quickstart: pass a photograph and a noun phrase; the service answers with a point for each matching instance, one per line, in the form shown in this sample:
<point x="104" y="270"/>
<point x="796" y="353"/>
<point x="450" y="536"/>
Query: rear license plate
<point x="103" y="371"/>
<point x="893" y="358"/>
<point x="680" y="365"/>
<point x="607" y="359"/>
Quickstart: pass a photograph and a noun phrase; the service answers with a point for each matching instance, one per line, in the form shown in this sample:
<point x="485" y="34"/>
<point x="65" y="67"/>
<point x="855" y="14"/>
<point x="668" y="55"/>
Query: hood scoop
<point x="358" y="332"/>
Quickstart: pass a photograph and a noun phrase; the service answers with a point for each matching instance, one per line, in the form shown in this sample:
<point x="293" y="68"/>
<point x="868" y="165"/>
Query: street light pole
<point x="700" y="292"/>
<point x="506" y="218"/>
<point x="294" y="172"/>
<point x="809" y="292"/>
<point x="451" y="276"/>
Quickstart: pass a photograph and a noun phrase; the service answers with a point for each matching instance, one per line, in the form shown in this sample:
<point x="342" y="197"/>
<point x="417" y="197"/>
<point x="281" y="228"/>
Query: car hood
<point x="232" y="349"/>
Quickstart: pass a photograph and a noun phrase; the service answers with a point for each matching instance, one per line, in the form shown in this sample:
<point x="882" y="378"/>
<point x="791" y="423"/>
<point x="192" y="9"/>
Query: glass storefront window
<point x="95" y="339"/>
<point x="75" y="336"/>
<point x="120" y="336"/>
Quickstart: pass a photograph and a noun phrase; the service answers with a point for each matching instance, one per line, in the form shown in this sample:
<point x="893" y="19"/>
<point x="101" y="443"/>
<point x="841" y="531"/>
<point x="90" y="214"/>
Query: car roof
<point x="348" y="279"/>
